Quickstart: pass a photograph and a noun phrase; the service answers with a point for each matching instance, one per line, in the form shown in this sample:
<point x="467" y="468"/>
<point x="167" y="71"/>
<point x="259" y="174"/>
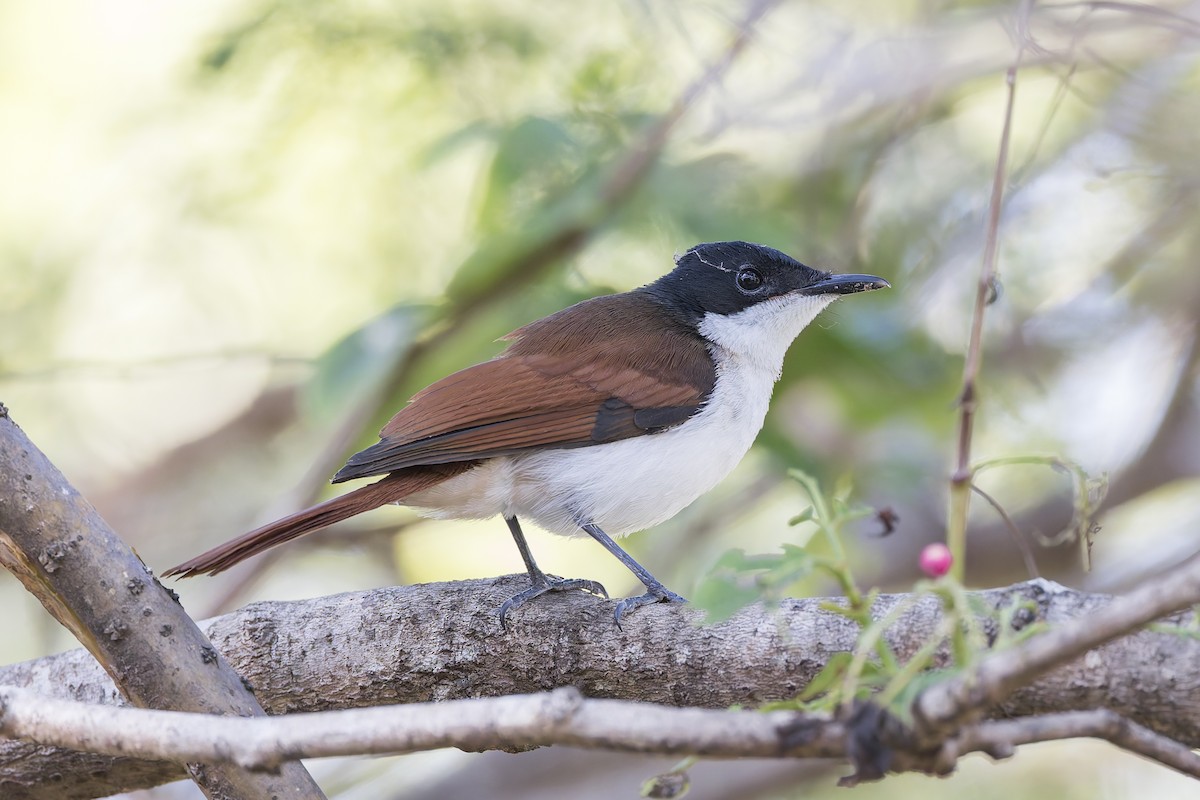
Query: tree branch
<point x="440" y="642"/>
<point x="63" y="552"/>
<point x="518" y="722"/>
<point x="948" y="703"/>
<point x="999" y="737"/>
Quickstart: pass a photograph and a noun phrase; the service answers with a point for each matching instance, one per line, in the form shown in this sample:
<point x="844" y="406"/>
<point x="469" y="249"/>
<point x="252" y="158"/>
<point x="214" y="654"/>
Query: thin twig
<point x="127" y="370"/>
<point x="999" y="737"/>
<point x="1018" y="539"/>
<point x="517" y="722"/>
<point x="960" y="481"/>
<point x="1145" y="12"/>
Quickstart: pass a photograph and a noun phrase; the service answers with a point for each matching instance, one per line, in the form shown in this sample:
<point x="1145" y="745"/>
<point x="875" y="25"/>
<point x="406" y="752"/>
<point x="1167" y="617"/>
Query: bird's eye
<point x="749" y="279"/>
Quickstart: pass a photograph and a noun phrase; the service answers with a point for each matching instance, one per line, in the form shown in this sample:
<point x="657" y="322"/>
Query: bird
<point x="606" y="418"/>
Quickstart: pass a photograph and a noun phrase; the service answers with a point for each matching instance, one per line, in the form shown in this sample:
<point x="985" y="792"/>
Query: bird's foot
<point x="548" y="583"/>
<point x="657" y="594"/>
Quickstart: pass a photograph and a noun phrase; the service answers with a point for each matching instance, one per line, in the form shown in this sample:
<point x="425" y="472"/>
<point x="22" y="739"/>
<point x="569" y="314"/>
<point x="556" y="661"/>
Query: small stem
<point x="919" y="661"/>
<point x="841" y="574"/>
<point x="1009" y="461"/>
<point x="956" y="529"/>
<point x="868" y="640"/>
<point x="967" y="639"/>
<point x="821" y="513"/>
<point x="1018" y="539"/>
<point x="960" y="482"/>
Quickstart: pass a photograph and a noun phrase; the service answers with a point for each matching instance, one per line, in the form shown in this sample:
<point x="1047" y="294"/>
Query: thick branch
<point x="442" y="642"/>
<point x="58" y="546"/>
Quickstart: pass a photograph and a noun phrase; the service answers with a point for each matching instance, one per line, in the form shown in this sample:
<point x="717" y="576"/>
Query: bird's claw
<point x="656" y="594"/>
<point x="549" y="583"/>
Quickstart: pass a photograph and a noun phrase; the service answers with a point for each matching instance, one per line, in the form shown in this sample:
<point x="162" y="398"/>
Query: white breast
<point x="633" y="484"/>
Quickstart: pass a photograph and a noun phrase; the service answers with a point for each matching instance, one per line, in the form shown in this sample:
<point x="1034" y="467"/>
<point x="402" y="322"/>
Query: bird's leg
<point x="655" y="593"/>
<point x="540" y="581"/>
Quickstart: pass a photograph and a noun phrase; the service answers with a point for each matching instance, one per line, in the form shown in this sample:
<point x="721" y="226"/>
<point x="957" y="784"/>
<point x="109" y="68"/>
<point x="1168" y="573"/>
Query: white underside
<point x="633" y="484"/>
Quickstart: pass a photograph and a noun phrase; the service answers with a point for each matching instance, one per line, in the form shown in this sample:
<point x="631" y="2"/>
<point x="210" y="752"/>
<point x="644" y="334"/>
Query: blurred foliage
<point x="208" y="208"/>
<point x="356" y="365"/>
<point x="873" y="671"/>
<point x="739" y="579"/>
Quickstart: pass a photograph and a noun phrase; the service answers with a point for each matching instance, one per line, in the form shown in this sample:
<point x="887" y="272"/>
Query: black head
<point x="728" y="277"/>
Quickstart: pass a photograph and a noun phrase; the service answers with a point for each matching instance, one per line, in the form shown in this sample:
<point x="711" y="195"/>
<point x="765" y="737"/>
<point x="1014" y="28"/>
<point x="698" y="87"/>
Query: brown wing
<point x="597" y="372"/>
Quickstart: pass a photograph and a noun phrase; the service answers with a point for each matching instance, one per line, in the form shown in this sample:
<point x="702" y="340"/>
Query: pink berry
<point x="936" y="560"/>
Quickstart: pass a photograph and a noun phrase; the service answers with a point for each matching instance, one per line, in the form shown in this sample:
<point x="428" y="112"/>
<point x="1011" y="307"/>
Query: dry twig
<point x="961" y="479"/>
<point x="559" y="717"/>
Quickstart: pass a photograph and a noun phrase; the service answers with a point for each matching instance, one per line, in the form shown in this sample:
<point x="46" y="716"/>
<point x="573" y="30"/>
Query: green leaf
<point x="361" y="360"/>
<point x="456" y="140"/>
<point x="667" y="786"/>
<point x="795" y="553"/>
<point x="793" y="565"/>
<point x="738" y="560"/>
<point x="535" y="159"/>
<point x="843" y="487"/>
<point x="830" y="675"/>
<point x="804" y="516"/>
<point x="729" y="586"/>
<point x="722" y="595"/>
<point x="901" y="705"/>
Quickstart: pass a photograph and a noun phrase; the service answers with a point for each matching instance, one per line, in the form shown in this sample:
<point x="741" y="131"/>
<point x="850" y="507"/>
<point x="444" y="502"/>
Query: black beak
<point x="846" y="284"/>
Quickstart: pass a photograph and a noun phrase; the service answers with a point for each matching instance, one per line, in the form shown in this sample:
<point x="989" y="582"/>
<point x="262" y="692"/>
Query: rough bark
<point x="53" y="540"/>
<point x="443" y="641"/>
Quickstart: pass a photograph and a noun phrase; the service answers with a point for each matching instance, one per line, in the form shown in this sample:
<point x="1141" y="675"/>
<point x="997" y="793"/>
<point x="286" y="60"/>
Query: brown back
<point x="600" y="371"/>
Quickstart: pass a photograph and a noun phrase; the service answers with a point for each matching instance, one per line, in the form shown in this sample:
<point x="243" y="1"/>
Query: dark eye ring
<point x="749" y="279"/>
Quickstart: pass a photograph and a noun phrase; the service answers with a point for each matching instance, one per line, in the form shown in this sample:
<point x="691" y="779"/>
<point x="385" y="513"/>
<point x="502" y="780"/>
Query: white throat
<point x="761" y="334"/>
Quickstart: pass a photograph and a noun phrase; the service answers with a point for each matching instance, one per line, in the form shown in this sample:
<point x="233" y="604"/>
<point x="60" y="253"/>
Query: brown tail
<point x="391" y="489"/>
